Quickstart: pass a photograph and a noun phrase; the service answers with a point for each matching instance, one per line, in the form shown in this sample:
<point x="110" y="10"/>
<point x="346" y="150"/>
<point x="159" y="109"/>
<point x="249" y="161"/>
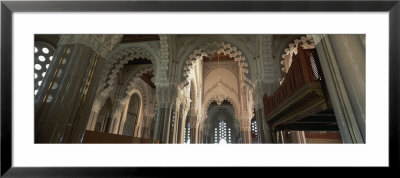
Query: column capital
<point x="164" y="94"/>
<point x="102" y="44"/>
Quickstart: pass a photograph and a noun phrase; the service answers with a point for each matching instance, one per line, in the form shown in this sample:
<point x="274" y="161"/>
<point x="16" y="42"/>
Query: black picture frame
<point x="8" y="7"/>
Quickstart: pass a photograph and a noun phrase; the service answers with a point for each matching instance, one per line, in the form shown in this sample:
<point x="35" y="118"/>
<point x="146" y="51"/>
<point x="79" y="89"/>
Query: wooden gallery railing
<point x="101" y="137"/>
<point x="300" y="94"/>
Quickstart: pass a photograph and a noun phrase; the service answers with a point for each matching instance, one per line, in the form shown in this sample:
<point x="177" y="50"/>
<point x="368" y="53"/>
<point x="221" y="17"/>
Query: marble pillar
<point x="350" y="55"/>
<point x="194" y="129"/>
<point x="166" y="125"/>
<point x="157" y="125"/>
<point x="245" y="131"/>
<point x="65" y="99"/>
<point x="266" y="132"/>
<point x="342" y="59"/>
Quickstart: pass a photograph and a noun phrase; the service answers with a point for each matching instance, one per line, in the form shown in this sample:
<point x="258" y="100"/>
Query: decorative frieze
<point x="118" y="61"/>
<point x="101" y="44"/>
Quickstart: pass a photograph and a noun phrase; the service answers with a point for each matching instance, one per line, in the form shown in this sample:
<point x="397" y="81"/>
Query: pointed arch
<point x="133" y="112"/>
<point x="116" y="62"/>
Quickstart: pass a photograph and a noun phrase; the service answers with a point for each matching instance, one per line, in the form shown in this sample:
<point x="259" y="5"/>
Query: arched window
<point x="187" y="132"/>
<point x="222" y="134"/>
<point x="132" y="115"/>
<point x="254" y="130"/>
<point x="43" y="56"/>
<point x="171" y="133"/>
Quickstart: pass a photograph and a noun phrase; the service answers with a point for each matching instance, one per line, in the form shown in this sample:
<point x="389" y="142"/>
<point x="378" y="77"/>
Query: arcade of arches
<point x="198" y="89"/>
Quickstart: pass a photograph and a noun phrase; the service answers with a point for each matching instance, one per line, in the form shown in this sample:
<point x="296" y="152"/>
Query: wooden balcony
<point x="300" y="96"/>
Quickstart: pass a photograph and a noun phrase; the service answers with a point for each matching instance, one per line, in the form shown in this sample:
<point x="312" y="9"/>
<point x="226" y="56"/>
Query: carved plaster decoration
<point x="217" y="87"/>
<point x="183" y="98"/>
<point x="228" y="98"/>
<point x="121" y="58"/>
<point x="162" y="75"/>
<point x="164" y="95"/>
<point x="219" y="47"/>
<point x="305" y="42"/>
<point x="101" y="44"/>
<point x="230" y="65"/>
<point x="102" y="96"/>
<point x="145" y="92"/>
<point x="122" y="51"/>
<point x="220" y="97"/>
<point x="132" y="82"/>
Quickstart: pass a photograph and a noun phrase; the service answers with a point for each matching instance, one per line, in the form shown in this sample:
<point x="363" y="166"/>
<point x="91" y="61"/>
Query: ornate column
<point x="245" y="132"/>
<point x="65" y="98"/>
<point x="157" y="124"/>
<point x="166" y="125"/>
<point x="194" y="130"/>
<point x="263" y="126"/>
<point x="342" y="59"/>
<point x="182" y="126"/>
<point x="161" y="126"/>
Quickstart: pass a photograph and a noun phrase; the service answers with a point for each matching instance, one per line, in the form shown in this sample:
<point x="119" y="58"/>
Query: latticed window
<point x="222" y="134"/>
<point x="254" y="129"/>
<point x="314" y="66"/>
<point x="43" y="56"/>
<point x="187" y="133"/>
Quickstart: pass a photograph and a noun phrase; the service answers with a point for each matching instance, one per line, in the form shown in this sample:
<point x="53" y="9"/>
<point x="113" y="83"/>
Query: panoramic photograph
<point x="199" y="88"/>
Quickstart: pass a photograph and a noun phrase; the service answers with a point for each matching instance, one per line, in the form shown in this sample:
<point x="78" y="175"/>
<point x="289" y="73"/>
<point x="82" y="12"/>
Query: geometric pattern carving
<point x="119" y="60"/>
<point x="226" y="49"/>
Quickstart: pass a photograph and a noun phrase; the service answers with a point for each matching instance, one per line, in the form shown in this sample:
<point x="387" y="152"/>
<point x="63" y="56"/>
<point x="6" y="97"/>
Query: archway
<point x="132" y="116"/>
<point x="117" y="62"/>
<point x="221" y="125"/>
<point x="212" y="49"/>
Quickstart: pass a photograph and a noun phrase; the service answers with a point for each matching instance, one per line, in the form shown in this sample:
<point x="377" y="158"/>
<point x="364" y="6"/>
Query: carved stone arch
<point x="227" y="98"/>
<point x="140" y="87"/>
<point x="246" y="51"/>
<point x="195" y="44"/>
<point x="198" y="52"/>
<point x="141" y="108"/>
<point x="229" y="109"/>
<point x="116" y="62"/>
<point x="135" y="76"/>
